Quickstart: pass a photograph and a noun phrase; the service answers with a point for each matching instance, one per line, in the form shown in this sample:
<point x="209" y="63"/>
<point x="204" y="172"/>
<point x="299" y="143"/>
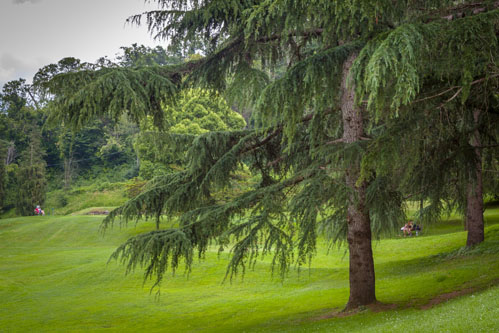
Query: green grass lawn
<point x="54" y="278"/>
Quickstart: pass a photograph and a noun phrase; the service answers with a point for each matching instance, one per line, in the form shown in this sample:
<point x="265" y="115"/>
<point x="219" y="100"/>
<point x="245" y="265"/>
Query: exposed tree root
<point x="380" y="307"/>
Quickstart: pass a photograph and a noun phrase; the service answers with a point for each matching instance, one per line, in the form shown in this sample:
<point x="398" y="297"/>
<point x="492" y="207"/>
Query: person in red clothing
<point x="407" y="228"/>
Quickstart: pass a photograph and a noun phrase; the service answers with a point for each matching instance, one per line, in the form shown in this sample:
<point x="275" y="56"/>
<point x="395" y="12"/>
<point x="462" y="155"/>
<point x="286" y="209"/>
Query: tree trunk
<point x="362" y="280"/>
<point x="474" y="195"/>
<point x="11" y="153"/>
<point x="68" y="171"/>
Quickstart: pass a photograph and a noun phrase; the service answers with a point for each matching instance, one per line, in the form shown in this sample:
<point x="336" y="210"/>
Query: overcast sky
<point x="35" y="33"/>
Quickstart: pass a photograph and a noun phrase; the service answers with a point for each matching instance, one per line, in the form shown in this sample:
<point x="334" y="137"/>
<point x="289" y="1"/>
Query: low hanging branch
<point x="459" y="89"/>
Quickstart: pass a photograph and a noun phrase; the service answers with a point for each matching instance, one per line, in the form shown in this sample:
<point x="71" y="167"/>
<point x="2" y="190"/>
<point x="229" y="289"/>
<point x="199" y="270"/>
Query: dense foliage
<point x="105" y="149"/>
<point x="379" y="102"/>
<point x="31" y="182"/>
<point x="195" y="112"/>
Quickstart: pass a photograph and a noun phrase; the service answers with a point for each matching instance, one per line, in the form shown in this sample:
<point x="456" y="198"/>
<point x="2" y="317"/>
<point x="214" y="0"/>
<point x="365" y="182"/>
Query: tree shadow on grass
<point x="436" y="278"/>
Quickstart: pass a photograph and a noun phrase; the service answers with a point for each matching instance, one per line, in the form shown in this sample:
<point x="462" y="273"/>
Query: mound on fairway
<point x="54" y="277"/>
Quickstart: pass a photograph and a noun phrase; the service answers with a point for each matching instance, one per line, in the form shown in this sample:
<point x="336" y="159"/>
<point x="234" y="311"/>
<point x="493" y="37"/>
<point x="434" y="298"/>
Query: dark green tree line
<point x="20" y="131"/>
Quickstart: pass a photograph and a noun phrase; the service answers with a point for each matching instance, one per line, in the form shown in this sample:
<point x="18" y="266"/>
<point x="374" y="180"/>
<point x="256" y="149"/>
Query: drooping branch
<point x="463" y="10"/>
<point x="459" y="90"/>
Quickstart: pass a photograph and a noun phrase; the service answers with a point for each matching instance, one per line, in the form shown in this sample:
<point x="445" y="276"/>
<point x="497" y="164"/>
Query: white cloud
<point x="47" y="31"/>
<point x="20" y="2"/>
<point x="8" y="67"/>
<point x="12" y="68"/>
<point x="7" y="61"/>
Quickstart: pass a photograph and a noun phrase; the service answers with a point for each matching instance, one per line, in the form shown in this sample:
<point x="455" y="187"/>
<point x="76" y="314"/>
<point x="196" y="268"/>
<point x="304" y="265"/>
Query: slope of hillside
<point x="60" y="202"/>
<point x="54" y="277"/>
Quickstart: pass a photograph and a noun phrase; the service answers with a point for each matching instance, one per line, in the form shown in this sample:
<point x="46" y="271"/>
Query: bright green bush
<point x="195" y="112"/>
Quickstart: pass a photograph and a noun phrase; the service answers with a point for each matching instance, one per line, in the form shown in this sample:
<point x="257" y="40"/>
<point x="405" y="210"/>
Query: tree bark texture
<point x="362" y="280"/>
<point x="11" y="153"/>
<point x="474" y="195"/>
<point x="68" y="172"/>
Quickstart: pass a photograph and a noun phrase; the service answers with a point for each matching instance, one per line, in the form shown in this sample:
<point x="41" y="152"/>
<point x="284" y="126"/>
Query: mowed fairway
<point x="54" y="277"/>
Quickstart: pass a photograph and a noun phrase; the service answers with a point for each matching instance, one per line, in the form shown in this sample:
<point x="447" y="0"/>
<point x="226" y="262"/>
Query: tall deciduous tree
<point x="356" y="71"/>
<point x="31" y="177"/>
<point x="20" y="122"/>
<point x="3" y="172"/>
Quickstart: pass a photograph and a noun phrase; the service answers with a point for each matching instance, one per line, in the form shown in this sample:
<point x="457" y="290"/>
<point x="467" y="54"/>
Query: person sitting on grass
<point x="39" y="211"/>
<point x="407" y="228"/>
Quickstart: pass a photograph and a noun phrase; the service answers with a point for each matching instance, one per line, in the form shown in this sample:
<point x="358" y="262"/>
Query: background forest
<point x="48" y="164"/>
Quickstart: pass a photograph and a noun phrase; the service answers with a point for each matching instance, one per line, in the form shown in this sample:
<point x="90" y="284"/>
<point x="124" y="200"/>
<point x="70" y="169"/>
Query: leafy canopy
<point x="408" y="51"/>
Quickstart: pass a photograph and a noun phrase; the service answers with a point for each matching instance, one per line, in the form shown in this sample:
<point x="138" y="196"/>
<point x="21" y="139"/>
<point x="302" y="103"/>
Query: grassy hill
<point x="54" y="277"/>
<point x="109" y="195"/>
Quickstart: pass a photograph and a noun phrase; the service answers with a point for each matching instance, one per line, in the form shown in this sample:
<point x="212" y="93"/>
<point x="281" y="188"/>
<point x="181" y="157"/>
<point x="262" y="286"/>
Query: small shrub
<point x="103" y="186"/>
<point x="131" y="172"/>
<point x="441" y="278"/>
<point x="61" y="200"/>
<point x="149" y="170"/>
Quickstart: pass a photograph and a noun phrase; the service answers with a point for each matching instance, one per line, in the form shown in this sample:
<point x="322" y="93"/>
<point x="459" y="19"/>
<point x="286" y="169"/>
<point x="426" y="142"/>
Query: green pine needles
<point x="137" y="92"/>
<point x="358" y="107"/>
